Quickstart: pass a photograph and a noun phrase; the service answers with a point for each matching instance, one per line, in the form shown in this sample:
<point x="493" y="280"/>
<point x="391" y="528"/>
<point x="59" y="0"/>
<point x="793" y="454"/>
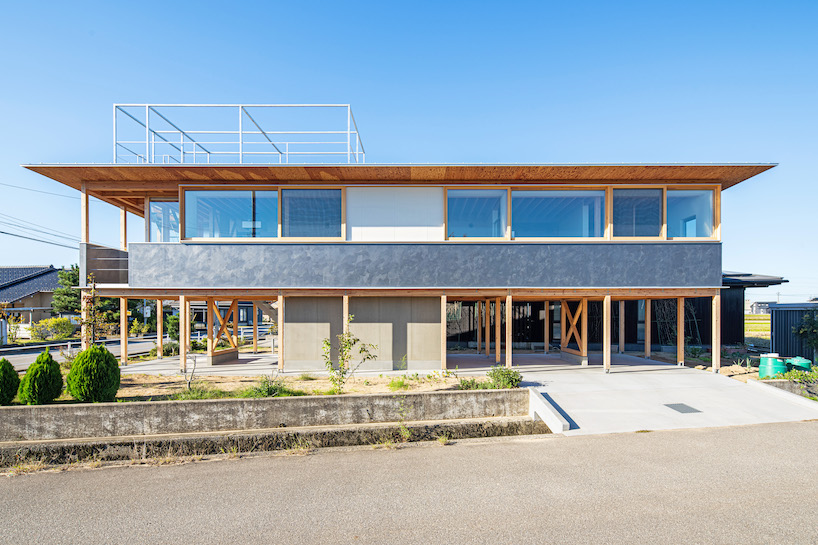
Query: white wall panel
<point x="387" y="214"/>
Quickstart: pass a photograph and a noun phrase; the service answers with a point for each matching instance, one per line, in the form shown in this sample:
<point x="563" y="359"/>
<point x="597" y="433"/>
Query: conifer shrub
<point x="9" y="382"/>
<point x="94" y="375"/>
<point x="42" y="382"/>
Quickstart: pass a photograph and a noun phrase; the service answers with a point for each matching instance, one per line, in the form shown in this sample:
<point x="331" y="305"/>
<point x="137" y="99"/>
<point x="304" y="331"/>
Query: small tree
<point x="348" y="345"/>
<point x="100" y="320"/>
<point x="94" y="375"/>
<point x="42" y="382"/>
<point x="808" y="330"/>
<point x="172" y="327"/>
<point x="9" y="382"/>
<point x="67" y="297"/>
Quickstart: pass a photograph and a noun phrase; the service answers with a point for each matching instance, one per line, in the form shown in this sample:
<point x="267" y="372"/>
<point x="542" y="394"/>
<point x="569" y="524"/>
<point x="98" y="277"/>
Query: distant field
<point x="757" y="329"/>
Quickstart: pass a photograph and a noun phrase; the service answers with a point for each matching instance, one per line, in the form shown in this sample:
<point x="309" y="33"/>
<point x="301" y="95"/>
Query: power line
<point x="38" y="225"/>
<point x="25" y="227"/>
<point x="40" y="191"/>
<point x="39" y="240"/>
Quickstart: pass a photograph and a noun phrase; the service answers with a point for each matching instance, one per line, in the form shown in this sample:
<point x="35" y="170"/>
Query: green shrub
<point x="52" y="328"/>
<point x="42" y="382"/>
<point x="94" y="375"/>
<point x="474" y="384"/>
<point x="269" y="387"/>
<point x="9" y="382"/>
<point x="168" y="349"/>
<point x="503" y="377"/>
<point x="398" y="383"/>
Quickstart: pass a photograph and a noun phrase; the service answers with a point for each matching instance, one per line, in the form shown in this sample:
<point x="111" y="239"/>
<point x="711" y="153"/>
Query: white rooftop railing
<point x="236" y="134"/>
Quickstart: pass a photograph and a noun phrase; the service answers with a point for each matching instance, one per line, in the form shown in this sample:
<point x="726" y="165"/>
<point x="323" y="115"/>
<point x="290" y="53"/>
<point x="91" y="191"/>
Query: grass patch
<point x="398" y="383"/>
<point x="444" y="439"/>
<point x="386" y="444"/>
<point x="307" y="376"/>
<point x="200" y="390"/>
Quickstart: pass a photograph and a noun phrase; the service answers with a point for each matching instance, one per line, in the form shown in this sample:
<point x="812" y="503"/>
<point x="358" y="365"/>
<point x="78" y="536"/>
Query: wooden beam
<point x="182" y="336"/>
<point x="546" y="329"/>
<point x="508" y="330"/>
<point x="160" y="328"/>
<point x="211" y="310"/>
<point x="715" y="339"/>
<point x="648" y="321"/>
<point x="606" y="333"/>
<point x="255" y="328"/>
<point x="680" y="330"/>
<point x="621" y="327"/>
<point x="123" y="229"/>
<point x="497" y="330"/>
<point x="443" y="332"/>
<point x="479" y="311"/>
<point x="488" y="327"/>
<point x="280" y="328"/>
<point x="85" y="224"/>
<point x="123" y="331"/>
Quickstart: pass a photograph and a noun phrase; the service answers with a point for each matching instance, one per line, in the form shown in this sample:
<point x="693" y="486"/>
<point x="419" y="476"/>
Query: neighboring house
<point x="403" y="248"/>
<point x="761" y="307"/>
<point x="786" y="317"/>
<point x="27" y="292"/>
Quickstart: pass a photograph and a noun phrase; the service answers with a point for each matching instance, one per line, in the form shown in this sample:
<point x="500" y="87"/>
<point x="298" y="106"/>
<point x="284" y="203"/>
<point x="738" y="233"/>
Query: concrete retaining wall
<point x="168" y="417"/>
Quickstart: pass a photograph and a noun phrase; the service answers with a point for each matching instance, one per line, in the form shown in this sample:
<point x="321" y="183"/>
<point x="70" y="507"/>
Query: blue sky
<point x="548" y="82"/>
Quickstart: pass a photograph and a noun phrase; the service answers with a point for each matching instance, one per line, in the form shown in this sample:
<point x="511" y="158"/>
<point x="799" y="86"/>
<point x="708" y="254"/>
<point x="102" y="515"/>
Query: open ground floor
<point x="414" y="330"/>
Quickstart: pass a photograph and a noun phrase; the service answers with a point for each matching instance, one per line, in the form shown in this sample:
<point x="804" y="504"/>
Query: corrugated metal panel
<point x="784" y="341"/>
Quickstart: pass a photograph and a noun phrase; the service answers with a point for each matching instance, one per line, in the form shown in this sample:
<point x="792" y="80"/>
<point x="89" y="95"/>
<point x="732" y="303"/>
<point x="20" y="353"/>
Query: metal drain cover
<point x="682" y="408"/>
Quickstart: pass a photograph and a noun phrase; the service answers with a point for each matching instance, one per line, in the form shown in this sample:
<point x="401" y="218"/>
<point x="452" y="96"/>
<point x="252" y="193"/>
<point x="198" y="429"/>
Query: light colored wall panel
<point x="387" y="214"/>
<point x="307" y="322"/>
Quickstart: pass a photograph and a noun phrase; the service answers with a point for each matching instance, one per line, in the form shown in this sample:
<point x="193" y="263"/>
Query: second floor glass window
<point x="231" y="214"/>
<point x="689" y="213"/>
<point x="476" y="213"/>
<point x="311" y="213"/>
<point x="164" y="221"/>
<point x="637" y="212"/>
<point x="552" y="213"/>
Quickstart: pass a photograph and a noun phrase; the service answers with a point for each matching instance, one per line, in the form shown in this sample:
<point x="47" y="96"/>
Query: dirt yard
<point x="135" y="387"/>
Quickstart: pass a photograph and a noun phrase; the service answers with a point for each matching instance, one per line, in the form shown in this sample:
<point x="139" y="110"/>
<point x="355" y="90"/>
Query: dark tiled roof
<point x="749" y="280"/>
<point x="19" y="282"/>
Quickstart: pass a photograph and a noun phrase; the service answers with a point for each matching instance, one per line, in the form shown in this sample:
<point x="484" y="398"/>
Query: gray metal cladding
<point x="425" y="265"/>
<point x="784" y="340"/>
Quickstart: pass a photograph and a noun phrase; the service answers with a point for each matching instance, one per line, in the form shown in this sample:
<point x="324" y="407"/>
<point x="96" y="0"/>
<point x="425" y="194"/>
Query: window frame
<point x="716" y="211"/>
<point x="604" y="225"/>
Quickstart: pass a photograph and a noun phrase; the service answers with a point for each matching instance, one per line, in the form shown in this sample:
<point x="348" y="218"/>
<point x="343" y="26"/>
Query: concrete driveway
<point x="641" y="394"/>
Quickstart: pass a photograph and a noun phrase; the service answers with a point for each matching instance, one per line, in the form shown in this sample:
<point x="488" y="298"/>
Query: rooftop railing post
<point x="114" y="133"/>
<point x="349" y="128"/>
<point x="241" y="137"/>
<point x="147" y="133"/>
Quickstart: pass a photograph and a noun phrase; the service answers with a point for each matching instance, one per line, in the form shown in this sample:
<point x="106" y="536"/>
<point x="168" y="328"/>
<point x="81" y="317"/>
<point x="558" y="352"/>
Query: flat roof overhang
<point x="128" y="185"/>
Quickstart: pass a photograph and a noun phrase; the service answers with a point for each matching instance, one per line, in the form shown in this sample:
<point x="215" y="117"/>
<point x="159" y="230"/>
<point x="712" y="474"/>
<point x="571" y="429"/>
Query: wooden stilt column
<point x="479" y="311"/>
<point x="85" y="302"/>
<point x="160" y="328"/>
<point x="255" y="328"/>
<point x="443" y="332"/>
<point x="546" y="329"/>
<point x="621" y="327"/>
<point x="488" y="327"/>
<point x="715" y="340"/>
<point x="211" y="309"/>
<point x="123" y="229"/>
<point x="563" y="329"/>
<point x="235" y="307"/>
<point x="508" y="330"/>
<point x="280" y="325"/>
<point x="183" y="328"/>
<point x="648" y="321"/>
<point x="497" y="331"/>
<point x="680" y="330"/>
<point x="345" y="312"/>
<point x="584" y="343"/>
<point x="606" y="333"/>
<point x="123" y="331"/>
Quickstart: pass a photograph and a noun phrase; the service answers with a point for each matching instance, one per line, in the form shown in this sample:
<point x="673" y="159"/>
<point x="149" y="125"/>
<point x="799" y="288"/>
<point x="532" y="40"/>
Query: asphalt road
<point x="21" y="359"/>
<point x="751" y="484"/>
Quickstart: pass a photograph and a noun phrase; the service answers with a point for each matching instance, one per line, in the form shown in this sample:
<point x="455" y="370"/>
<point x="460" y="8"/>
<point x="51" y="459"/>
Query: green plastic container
<point x="771" y="365"/>
<point x="800" y="364"/>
